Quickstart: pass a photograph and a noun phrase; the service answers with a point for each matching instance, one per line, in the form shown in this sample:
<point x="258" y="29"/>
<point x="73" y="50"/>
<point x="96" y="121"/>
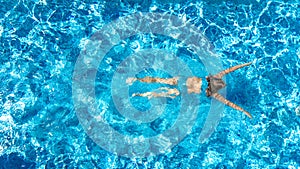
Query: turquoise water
<point x="41" y="42"/>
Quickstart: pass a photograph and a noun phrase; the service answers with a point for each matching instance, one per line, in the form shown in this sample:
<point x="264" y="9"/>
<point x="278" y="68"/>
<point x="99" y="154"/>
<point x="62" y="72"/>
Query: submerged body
<point x="215" y="83"/>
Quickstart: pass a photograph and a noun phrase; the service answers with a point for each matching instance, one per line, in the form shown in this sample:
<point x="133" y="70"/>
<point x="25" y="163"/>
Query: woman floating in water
<point x="215" y="83"/>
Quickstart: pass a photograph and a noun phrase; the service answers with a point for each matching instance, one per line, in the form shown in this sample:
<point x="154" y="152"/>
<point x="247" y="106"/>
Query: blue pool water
<point x="42" y="41"/>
